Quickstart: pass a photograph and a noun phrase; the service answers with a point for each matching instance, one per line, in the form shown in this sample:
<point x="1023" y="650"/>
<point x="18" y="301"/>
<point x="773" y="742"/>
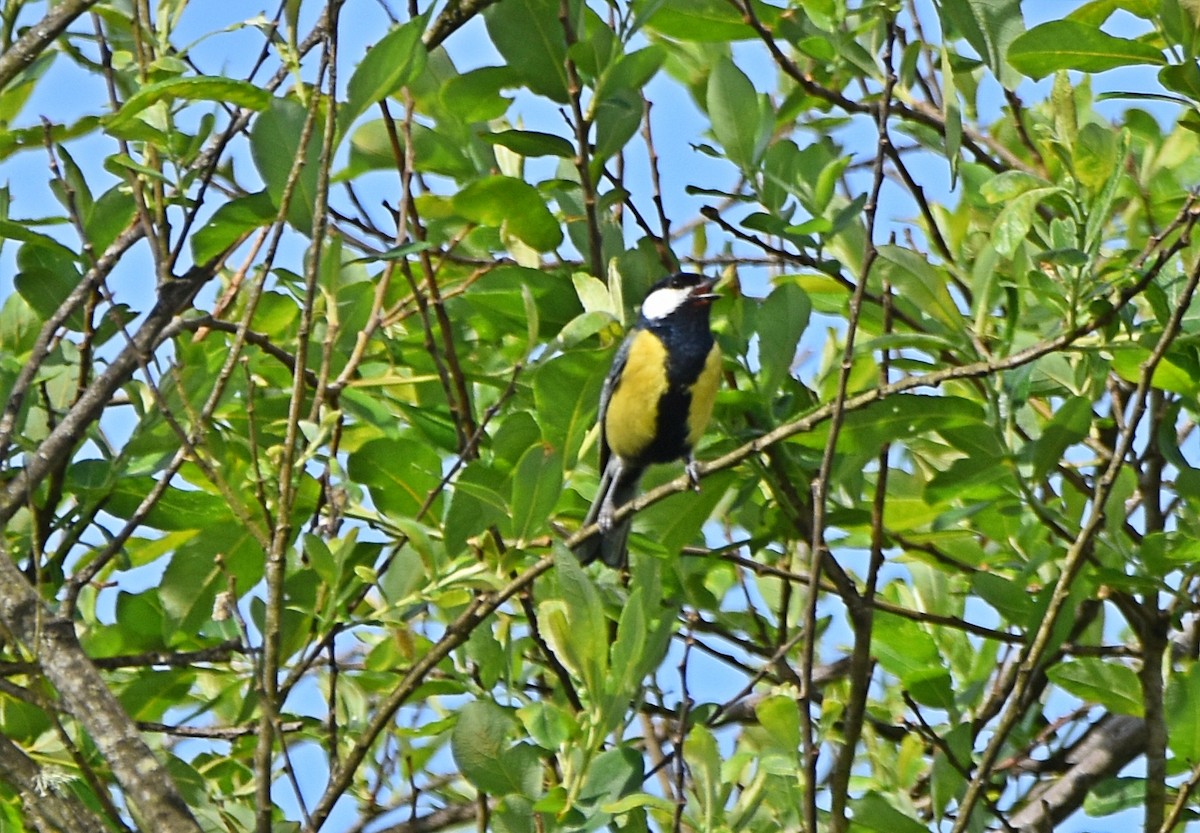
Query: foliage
<point x="300" y="348"/>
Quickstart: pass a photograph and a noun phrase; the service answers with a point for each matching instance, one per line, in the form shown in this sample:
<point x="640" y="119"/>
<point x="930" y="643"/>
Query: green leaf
<point x="514" y="814"/>
<point x="779" y="715"/>
<point x="906" y="650"/>
<point x="1114" y="795"/>
<point x="548" y="725"/>
<point x="736" y="114"/>
<point x="18" y="90"/>
<point x="947" y="782"/>
<point x="371" y="149"/>
<point x="1107" y="683"/>
<point x="704" y="760"/>
<point x="990" y="26"/>
<point x="396" y="252"/>
<point x="47" y="274"/>
<point x="120" y="164"/>
<point x="1015" y="220"/>
<point x="613" y="773"/>
<point x="627" y="650"/>
<point x="11" y="230"/>
<point x="676" y="522"/>
<point x="80" y="197"/>
<point x="1095" y="155"/>
<point x="536" y="487"/>
<point x="922" y="284"/>
<point x="531" y="143"/>
<point x="142" y="551"/>
<point x="513" y="203"/>
<point x="475" y="96"/>
<point x="574" y="625"/>
<point x="874" y="812"/>
<point x="1179" y="20"/>
<point x="275" y="145"/>
<point x="1168" y="376"/>
<point x="399" y="472"/>
<point x="1182" y="716"/>
<point x="45" y="289"/>
<point x="1070" y="44"/>
<point x="593" y="293"/>
<point x="595" y="48"/>
<point x="780" y="175"/>
<point x="140" y="619"/>
<point x="192" y="88"/>
<point x="638" y="800"/>
<point x="1071" y="423"/>
<point x="13" y="140"/>
<point x="230" y="222"/>
<point x="528" y="34"/>
<point x="477" y="501"/>
<point x="396" y="60"/>
<point x="631" y="72"/>
<point x="1006" y="186"/>
<point x="151" y="693"/>
<point x="952" y="112"/>
<point x="480" y="749"/>
<point x="110" y="214"/>
<point x="177" y="509"/>
<point x="1181" y="78"/>
<point x="1010" y="598"/>
<point x="931" y="687"/>
<point x="487" y="656"/>
<point x="566" y="392"/>
<point x="618" y="118"/>
<point x="781" y="320"/>
<point x="705" y="20"/>
<point x="898" y="418"/>
<point x="1099" y="212"/>
<point x="188" y="586"/>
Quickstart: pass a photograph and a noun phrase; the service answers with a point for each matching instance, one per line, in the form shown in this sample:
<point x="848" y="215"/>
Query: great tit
<point x="655" y="403"/>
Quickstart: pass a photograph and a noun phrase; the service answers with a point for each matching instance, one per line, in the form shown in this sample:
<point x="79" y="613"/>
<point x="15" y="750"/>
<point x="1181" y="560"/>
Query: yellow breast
<point x="632" y="417"/>
<point x="704" y="391"/>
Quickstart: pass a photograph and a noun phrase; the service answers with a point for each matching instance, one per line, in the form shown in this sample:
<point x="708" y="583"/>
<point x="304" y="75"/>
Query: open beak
<point x="703" y="291"/>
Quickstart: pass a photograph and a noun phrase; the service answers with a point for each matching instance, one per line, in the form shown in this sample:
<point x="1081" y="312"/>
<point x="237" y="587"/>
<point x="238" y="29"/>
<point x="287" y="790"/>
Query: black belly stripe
<point x="688" y="347"/>
<point x="670" y="441"/>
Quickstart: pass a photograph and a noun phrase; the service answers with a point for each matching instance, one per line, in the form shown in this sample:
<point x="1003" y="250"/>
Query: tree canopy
<point x="304" y="321"/>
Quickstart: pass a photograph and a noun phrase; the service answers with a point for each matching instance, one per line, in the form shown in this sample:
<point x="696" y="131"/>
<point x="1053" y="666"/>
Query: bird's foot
<point x="604" y="518"/>
<point x="693" y="472"/>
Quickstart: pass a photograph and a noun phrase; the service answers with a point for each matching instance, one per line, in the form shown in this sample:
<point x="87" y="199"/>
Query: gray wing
<point x="610" y="546"/>
<point x="610" y="384"/>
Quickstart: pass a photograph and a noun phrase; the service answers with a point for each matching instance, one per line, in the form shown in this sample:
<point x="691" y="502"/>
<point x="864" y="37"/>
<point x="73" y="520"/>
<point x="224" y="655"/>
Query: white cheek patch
<point x="662" y="302"/>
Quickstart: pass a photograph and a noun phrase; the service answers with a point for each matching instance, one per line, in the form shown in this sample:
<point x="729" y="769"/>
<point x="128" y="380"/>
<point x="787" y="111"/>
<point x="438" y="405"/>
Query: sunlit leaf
<point x="1071" y="44"/>
<point x="504" y="200"/>
<point x="225" y="90"/>
<point x="1109" y="683"/>
<point x="529" y="36"/>
<point x="390" y="64"/>
<point x="737" y="115"/>
<point x="275" y="147"/>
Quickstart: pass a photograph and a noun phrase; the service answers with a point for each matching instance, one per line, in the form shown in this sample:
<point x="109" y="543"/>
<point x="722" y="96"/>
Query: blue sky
<point x="68" y="93"/>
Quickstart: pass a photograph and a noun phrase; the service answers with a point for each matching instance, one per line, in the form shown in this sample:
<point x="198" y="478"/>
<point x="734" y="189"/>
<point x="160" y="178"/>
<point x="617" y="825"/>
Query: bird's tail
<point x="610" y="547"/>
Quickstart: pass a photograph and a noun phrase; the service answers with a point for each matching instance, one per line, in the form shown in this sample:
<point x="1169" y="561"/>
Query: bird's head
<point x="681" y="290"/>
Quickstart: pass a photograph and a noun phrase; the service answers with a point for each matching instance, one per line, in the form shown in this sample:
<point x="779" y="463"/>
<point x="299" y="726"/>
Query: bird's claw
<point x="693" y="472"/>
<point x="604" y="518"/>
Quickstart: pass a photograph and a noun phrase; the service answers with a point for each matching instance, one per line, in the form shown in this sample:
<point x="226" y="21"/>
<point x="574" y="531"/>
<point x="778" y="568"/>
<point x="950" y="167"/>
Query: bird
<point x="655" y="404"/>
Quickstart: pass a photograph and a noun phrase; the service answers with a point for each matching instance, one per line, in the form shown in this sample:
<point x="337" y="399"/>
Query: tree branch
<point x="1112" y="742"/>
<point x="38" y="36"/>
